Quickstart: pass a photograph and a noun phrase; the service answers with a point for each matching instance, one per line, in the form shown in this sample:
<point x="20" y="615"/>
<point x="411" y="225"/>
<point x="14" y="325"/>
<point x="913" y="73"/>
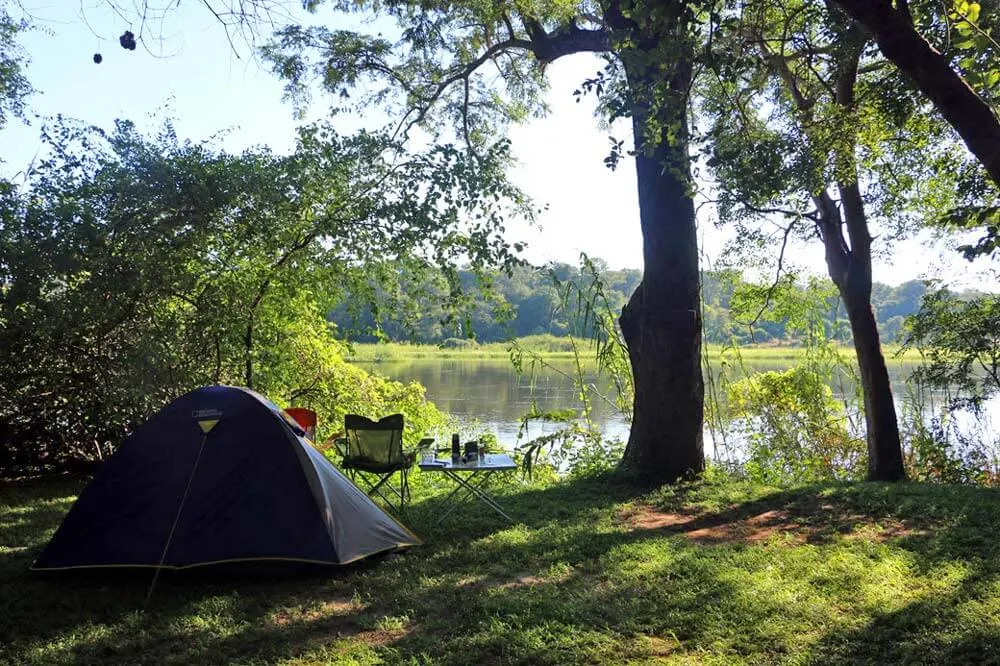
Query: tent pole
<point x="166" y="546"/>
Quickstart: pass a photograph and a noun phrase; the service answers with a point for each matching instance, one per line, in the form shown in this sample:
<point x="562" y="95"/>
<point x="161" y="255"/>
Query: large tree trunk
<point x="850" y="270"/>
<point x="970" y="115"/>
<point x="885" y="458"/>
<point x="661" y="323"/>
<point x="850" y="264"/>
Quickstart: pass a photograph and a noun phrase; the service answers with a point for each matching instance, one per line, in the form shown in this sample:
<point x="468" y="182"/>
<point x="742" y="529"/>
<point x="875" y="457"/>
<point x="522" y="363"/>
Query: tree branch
<point x="830" y="227"/>
<point x="961" y="106"/>
<point x="779" y="65"/>
<point x="850" y="193"/>
<point x="777" y="277"/>
<point x="510" y="26"/>
<point x="546" y="47"/>
<point x="422" y="109"/>
<point x="779" y="211"/>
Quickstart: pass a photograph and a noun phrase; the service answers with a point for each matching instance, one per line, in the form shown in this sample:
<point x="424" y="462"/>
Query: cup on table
<point x="472" y="450"/>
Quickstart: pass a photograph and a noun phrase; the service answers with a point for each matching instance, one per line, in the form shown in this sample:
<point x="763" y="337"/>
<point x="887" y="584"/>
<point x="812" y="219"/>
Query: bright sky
<point x="210" y="91"/>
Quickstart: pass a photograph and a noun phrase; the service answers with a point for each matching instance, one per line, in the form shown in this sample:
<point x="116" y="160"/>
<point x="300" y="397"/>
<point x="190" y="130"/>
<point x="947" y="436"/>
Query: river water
<point x="490" y="393"/>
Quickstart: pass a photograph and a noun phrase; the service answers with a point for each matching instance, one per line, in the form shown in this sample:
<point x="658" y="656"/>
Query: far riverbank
<point x="552" y="347"/>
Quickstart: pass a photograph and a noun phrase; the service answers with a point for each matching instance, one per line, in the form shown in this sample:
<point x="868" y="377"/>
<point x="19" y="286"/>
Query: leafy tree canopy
<point x="961" y="341"/>
<point x="14" y="85"/>
<point x="134" y="268"/>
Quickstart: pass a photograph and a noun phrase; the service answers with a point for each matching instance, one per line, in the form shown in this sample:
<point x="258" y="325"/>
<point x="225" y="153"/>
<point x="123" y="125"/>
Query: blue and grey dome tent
<point x="218" y="476"/>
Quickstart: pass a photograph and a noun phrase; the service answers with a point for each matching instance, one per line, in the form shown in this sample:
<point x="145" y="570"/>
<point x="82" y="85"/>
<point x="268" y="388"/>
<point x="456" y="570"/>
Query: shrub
<point x="457" y="343"/>
<point x="793" y="428"/>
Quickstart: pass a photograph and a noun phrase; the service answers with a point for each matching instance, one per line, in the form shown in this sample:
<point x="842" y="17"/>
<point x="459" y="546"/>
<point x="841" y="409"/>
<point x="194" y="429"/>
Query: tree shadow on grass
<point x="104" y="617"/>
<point x="570" y="582"/>
<point x="957" y="627"/>
<point x="570" y="500"/>
<point x="960" y="624"/>
<point x="944" y="528"/>
<point x="938" y="522"/>
<point x="420" y="605"/>
<point x="101" y="616"/>
<point x="555" y="588"/>
<point x="29" y="514"/>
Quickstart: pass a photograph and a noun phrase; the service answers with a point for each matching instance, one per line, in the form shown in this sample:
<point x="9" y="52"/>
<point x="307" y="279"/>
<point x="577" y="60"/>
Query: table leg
<point x="472" y="489"/>
<point x="459" y="488"/>
<point x="479" y="491"/>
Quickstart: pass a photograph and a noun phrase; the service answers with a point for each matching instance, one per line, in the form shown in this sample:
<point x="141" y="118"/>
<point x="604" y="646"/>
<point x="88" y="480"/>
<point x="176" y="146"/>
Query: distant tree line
<point x="534" y="300"/>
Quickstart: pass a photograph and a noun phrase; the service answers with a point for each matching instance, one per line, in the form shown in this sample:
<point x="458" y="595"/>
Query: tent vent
<point x="207" y="419"/>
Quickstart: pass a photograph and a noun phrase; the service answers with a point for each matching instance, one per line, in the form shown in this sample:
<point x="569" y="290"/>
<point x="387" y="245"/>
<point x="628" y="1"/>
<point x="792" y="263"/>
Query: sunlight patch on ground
<point x="329" y="608"/>
<point x="762" y="527"/>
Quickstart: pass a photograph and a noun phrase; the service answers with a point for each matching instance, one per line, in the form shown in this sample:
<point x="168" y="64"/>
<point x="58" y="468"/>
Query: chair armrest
<point x="340" y="445"/>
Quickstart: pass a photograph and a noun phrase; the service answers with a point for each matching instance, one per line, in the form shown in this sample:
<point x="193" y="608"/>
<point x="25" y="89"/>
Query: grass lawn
<point x="594" y="572"/>
<point x="551" y="347"/>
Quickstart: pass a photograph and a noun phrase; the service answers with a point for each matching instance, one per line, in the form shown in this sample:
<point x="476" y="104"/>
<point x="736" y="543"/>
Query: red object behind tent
<point x="305" y="418"/>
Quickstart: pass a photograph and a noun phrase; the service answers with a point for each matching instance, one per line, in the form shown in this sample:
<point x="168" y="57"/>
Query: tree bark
<point x="885" y="459"/>
<point x="893" y="30"/>
<point x="661" y="323"/>
<point x="850" y="270"/>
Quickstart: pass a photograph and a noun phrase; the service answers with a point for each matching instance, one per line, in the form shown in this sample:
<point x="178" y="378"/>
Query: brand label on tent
<point x="206" y="418"/>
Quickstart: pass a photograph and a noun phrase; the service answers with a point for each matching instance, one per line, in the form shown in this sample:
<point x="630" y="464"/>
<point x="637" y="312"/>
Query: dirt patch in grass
<point x="320" y="628"/>
<point x="646" y="517"/>
<point x="523" y="579"/>
<point x="331" y="609"/>
<point x="470" y="582"/>
<point x="793" y="525"/>
<point x="380" y="637"/>
<point x="661" y="647"/>
<point x="753" y="529"/>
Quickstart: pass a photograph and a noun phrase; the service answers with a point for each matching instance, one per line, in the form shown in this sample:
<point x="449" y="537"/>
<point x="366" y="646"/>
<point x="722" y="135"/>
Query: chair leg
<point x="385" y="483"/>
<point x="404" y="491"/>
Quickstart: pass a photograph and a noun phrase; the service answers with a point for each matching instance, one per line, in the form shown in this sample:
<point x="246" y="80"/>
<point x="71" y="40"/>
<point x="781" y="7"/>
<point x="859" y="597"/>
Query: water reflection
<point x="490" y="391"/>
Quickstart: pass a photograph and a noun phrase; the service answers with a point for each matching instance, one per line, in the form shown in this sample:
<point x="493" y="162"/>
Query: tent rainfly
<point x="219" y="475"/>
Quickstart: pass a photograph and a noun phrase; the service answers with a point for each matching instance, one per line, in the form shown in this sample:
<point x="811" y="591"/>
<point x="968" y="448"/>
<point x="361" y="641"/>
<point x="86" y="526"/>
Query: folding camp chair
<point x="373" y="452"/>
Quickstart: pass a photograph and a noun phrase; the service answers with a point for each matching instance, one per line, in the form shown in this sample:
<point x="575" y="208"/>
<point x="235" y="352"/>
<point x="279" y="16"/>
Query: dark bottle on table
<point x="456" y="448"/>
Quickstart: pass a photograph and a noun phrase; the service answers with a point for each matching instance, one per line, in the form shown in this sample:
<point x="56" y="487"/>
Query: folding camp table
<point x="471" y="479"/>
